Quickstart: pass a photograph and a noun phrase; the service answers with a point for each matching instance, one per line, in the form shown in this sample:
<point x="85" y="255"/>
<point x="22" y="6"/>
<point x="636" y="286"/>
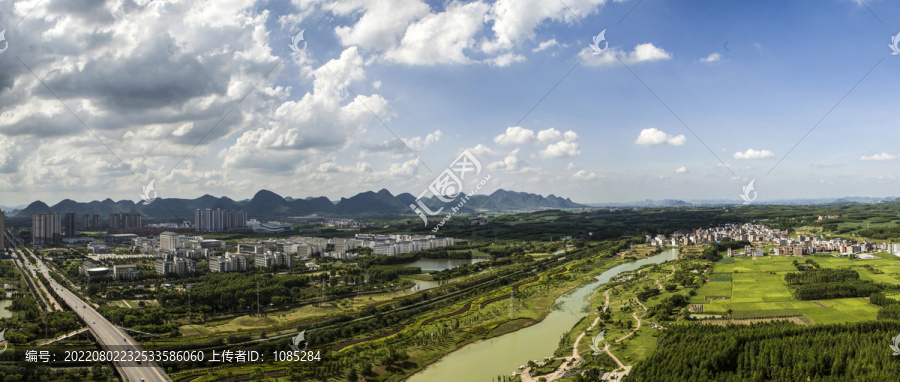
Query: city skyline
<point x="688" y="102"/>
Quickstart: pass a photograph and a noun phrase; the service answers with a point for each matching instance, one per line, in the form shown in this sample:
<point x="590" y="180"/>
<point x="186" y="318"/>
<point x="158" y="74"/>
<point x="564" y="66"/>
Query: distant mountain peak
<point x="266" y="204"/>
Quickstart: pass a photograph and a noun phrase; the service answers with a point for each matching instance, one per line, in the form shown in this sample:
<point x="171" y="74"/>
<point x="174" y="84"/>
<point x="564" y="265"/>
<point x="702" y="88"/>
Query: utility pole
<point x="189" y="303"/>
<point x="512" y="307"/>
<point x="257" y="300"/>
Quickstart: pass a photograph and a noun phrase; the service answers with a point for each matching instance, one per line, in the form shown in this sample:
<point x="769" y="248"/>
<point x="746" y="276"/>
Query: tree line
<point x="825" y="275"/>
<point x="772" y="352"/>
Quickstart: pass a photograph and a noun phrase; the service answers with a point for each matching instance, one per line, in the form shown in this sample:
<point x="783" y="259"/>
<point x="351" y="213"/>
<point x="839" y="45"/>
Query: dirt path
<point x="575" y="346"/>
<point x="638" y="327"/>
<point x="126" y="304"/>
<point x="526" y="377"/>
<point x="611" y="355"/>
<point x="635" y="329"/>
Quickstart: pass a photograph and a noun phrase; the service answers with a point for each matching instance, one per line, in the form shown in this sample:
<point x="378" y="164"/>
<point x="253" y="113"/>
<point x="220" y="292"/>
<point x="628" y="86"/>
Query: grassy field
<point x="757" y="288"/>
<point x="275" y="319"/>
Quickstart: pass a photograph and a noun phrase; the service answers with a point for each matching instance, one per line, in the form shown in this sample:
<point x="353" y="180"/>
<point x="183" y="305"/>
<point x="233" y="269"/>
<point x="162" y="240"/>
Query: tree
<point x="257" y="374"/>
<point x="114" y="294"/>
<point x="351" y="375"/>
<point x="366" y="369"/>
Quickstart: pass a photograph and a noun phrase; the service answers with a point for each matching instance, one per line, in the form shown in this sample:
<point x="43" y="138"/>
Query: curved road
<point x="108" y="335"/>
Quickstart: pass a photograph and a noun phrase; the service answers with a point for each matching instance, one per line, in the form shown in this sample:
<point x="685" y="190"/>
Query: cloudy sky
<point x="688" y="99"/>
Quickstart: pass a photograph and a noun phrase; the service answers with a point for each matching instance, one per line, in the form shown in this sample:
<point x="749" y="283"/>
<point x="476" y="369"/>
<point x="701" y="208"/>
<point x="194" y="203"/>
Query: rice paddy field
<point x="755" y="288"/>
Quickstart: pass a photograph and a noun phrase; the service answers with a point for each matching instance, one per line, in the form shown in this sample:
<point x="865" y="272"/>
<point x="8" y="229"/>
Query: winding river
<point x="483" y="361"/>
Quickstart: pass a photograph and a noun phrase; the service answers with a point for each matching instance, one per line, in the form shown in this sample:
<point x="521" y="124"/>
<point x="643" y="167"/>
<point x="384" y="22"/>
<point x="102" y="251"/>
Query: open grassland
<point x="758" y="290"/>
<point x="281" y="318"/>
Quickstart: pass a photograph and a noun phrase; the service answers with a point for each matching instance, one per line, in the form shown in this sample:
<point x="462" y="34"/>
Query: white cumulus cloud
<point x="505" y="60"/>
<point x="754" y="154"/>
<point x="656" y="137"/>
<point x="481" y="150"/>
<point x="642" y="53"/>
<point x="714" y="57"/>
<point x="880" y="156"/>
<point x="569" y="146"/>
<point x="515" y="135"/>
<point x="546" y="45"/>
<point x="445" y="37"/>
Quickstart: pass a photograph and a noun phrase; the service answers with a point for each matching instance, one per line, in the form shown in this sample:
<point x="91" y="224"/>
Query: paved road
<point x="108" y="335"/>
<point x="52" y="305"/>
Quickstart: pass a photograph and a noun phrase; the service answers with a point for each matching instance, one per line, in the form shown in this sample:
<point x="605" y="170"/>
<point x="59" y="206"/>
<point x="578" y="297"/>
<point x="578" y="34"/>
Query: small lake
<point x="428" y="284"/>
<point x="483" y="361"/>
<point x="441" y="264"/>
<point x="3" y="305"/>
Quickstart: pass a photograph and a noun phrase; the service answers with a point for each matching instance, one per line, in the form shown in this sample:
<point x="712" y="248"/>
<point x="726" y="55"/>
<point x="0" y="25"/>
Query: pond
<point x="441" y="264"/>
<point x="4" y="304"/>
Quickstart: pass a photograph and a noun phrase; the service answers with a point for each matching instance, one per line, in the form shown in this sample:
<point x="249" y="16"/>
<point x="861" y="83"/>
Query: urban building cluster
<point x="45" y="229"/>
<point x="270" y="227"/>
<point x="269" y="253"/>
<point x="122" y="228"/>
<point x="171" y="264"/>
<point x="127" y="220"/>
<point x="210" y="220"/>
<point x="118" y="272"/>
<point x="177" y="250"/>
<point x="2" y="232"/>
<point x="769" y="241"/>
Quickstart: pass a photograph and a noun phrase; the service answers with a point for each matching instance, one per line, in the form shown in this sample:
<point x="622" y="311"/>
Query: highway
<point x="108" y="335"/>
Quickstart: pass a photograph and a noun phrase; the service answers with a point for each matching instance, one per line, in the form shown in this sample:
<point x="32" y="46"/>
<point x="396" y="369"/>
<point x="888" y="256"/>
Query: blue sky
<point x="150" y="79"/>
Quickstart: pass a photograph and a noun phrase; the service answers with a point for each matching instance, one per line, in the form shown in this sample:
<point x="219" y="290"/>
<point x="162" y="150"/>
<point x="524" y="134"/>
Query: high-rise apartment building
<point x="115" y="221"/>
<point x="168" y="241"/>
<point x="86" y="221"/>
<point x="45" y="229"/>
<point x="131" y="220"/>
<point x="69" y="224"/>
<point x="95" y="221"/>
<point x="219" y="220"/>
<point x="2" y="231"/>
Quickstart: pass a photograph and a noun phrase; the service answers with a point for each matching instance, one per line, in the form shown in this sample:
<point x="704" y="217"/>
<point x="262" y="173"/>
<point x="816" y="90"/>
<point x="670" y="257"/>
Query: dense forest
<point x="821" y="276"/>
<point x="773" y="352"/>
<point x="822" y="284"/>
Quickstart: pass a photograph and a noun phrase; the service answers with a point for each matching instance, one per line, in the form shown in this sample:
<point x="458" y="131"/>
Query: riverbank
<point x="543" y="304"/>
<point x="498" y="356"/>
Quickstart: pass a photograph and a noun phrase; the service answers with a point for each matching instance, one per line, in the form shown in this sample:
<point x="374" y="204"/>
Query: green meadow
<point x="756" y="288"/>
